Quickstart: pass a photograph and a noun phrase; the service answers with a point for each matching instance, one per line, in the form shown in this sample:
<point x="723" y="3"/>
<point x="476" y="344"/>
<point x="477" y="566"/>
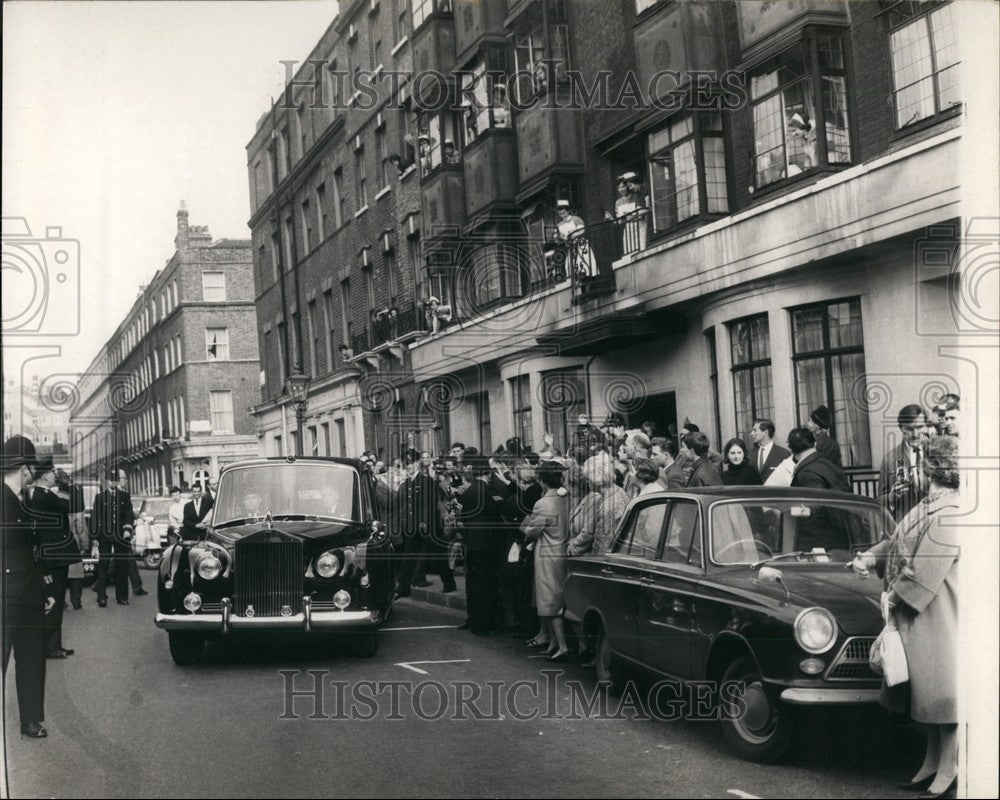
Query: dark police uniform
<point x="419" y="520"/>
<point x="113" y="513"/>
<point x="25" y="587"/>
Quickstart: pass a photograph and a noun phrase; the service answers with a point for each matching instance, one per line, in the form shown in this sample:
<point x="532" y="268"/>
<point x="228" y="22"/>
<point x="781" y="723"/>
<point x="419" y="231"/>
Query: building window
<point x="369" y="287"/>
<point x="399" y="20"/>
<point x="213" y="287"/>
<point x="536" y="65"/>
<point x="339" y="209"/>
<point x="294" y="332"/>
<point x="829" y="358"/>
<point x="391" y="281"/>
<point x="643" y="5"/>
<point x="327" y="444"/>
<point x="713" y="378"/>
<point x="687" y="169"/>
<point x="308" y="234"/>
<point x="315" y="338"/>
<point x="300" y="123"/>
<point x="345" y="311"/>
<point x="328" y="317"/>
<point x="521" y="390"/>
<point x="382" y="158"/>
<point x="322" y="220"/>
<point x="925" y="62"/>
<point x="341" y="438"/>
<point x="482" y="401"/>
<point x="361" y="179"/>
<point x="751" y="352"/>
<point x="217" y="344"/>
<point x="564" y="399"/>
<point x="284" y="154"/>
<point x="423" y="9"/>
<point x="796" y="97"/>
<point x="484" y="100"/>
<point x="275" y="257"/>
<point x="313" y="440"/>
<point x="178" y="356"/>
<point x="289" y="244"/>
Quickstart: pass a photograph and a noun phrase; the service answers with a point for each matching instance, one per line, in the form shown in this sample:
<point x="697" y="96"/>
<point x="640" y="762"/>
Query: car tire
<point x="151" y="559"/>
<point x="186" y="647"/>
<point x="762" y="729"/>
<point x="610" y="671"/>
<point x="364" y="644"/>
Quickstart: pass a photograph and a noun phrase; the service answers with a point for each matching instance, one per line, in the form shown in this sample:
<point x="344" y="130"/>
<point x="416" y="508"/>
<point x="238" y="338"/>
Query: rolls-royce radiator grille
<point x="268" y="576"/>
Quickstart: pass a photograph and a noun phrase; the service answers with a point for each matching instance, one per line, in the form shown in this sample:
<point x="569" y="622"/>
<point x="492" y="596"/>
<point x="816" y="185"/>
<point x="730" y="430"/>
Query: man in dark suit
<point x="419" y="520"/>
<point x="195" y="512"/>
<point x="820" y="422"/>
<point x="113" y="528"/>
<point x="703" y="471"/>
<point x="57" y="548"/>
<point x="823" y="527"/>
<point x="766" y="454"/>
<point x="27" y="590"/>
<point x="902" y="483"/>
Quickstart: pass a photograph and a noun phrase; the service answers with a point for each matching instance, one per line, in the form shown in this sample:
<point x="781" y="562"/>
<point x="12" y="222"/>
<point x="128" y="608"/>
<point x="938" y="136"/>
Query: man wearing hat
<point x="418" y="519"/>
<point x="27" y="590"/>
<point x="113" y="527"/>
<point x="450" y="153"/>
<point x="57" y="548"/>
<point x="820" y="421"/>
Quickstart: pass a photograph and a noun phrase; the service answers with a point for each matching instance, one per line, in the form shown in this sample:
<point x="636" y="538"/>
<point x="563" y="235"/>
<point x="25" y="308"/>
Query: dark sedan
<point x="745" y="588"/>
<point x="291" y="544"/>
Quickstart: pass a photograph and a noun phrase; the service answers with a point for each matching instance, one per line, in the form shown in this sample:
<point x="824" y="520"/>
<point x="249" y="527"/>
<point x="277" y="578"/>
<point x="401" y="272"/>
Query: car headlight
<point x="327" y="565"/>
<point x="815" y="630"/>
<point x="192" y="602"/>
<point x="209" y="567"/>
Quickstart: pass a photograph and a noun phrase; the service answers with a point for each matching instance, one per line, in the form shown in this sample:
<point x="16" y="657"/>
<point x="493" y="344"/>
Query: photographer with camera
<point x="902" y="484"/>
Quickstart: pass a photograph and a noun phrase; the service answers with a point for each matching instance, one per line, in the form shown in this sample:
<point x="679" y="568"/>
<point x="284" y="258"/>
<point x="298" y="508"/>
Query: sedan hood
<point x="345" y="532"/>
<point x="854" y="602"/>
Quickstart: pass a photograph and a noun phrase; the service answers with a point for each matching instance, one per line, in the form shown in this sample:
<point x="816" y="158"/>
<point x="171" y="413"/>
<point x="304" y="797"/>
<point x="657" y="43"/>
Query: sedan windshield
<point x="748" y="531"/>
<point x="298" y="489"/>
<point x="156" y="506"/>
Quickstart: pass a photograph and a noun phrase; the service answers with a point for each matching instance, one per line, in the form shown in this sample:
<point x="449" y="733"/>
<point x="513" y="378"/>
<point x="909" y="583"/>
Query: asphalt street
<point x="123" y="721"/>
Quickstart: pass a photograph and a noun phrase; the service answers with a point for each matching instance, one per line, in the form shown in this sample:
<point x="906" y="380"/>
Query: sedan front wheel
<point x="755" y="723"/>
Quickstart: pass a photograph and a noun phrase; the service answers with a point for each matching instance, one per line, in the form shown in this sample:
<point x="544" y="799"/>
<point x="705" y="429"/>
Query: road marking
<point x="409" y="664"/>
<point x="421" y="628"/>
<point x="745" y="795"/>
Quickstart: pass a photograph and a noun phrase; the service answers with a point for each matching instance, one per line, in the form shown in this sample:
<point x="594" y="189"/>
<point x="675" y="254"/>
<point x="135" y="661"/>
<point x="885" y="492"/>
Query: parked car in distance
<point x="151" y="524"/>
<point x="293" y="545"/>
<point x="747" y="588"/>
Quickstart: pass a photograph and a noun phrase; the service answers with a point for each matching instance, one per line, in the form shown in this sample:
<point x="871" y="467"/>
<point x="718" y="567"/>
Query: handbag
<point x="887" y="656"/>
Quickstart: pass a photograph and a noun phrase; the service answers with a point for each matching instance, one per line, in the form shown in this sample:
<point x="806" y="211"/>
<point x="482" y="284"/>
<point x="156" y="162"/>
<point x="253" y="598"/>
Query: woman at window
<point x="570" y="231"/>
<point x="738" y="470"/>
<point x="630" y="212"/>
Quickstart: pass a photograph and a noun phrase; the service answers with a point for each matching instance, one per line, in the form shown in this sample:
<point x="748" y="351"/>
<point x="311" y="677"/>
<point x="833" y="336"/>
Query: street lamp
<point x="298" y="388"/>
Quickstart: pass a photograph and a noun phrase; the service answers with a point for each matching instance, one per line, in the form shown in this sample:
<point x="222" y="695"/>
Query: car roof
<point x="356" y="463"/>
<point x="708" y="494"/>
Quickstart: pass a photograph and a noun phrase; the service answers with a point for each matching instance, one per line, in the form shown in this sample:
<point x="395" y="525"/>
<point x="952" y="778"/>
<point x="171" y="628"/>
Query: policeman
<point x="113" y="527"/>
<point x="27" y="591"/>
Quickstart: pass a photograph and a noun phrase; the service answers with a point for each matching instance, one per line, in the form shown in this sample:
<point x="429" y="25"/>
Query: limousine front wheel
<point x="609" y="669"/>
<point x="754" y="721"/>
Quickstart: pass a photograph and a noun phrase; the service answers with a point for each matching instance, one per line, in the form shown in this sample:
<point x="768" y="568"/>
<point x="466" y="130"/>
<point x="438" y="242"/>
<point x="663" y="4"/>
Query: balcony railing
<point x="586" y="255"/>
<point x="409" y="319"/>
<point x="359" y="342"/>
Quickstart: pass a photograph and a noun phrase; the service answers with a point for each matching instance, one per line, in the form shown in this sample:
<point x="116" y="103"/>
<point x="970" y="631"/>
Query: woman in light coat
<point x="594" y="520"/>
<point x="548" y="526"/>
<point x="919" y="563"/>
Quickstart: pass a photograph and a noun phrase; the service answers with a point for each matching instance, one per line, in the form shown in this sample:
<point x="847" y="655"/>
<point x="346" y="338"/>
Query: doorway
<point x="660" y="409"/>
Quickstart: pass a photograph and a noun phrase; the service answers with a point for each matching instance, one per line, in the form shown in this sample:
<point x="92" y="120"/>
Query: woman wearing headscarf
<point x="594" y="520"/>
<point x="919" y="564"/>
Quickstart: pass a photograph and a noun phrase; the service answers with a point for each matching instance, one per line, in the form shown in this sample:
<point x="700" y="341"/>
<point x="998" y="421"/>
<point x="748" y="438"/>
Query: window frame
<point x="750" y="366"/>
<point x="521" y="409"/>
<point x="562" y="438"/>
<point x="215" y="331"/>
<point x="213" y="413"/>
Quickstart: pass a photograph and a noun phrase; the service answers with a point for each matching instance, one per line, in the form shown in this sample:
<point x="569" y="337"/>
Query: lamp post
<point x="298" y="388"/>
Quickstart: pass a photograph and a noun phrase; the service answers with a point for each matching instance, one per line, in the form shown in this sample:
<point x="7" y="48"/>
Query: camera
<point x="41" y="281"/>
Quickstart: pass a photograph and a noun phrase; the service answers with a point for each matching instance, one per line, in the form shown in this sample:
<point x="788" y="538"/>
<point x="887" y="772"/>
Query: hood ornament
<point x="269" y="520"/>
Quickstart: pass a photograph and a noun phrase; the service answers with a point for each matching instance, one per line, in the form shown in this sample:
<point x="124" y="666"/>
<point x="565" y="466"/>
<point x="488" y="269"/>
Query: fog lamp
<point x="341" y="599"/>
<point x="192" y="602"/>
<point x="811" y="666"/>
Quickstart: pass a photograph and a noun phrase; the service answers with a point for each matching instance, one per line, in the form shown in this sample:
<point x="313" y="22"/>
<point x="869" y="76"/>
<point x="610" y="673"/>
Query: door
<point x="625" y="568"/>
<point x="666" y="604"/>
<point x="660" y="409"/>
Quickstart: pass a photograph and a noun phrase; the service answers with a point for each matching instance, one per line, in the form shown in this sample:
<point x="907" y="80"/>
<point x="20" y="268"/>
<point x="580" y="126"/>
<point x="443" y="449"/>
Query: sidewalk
<point x="433" y="595"/>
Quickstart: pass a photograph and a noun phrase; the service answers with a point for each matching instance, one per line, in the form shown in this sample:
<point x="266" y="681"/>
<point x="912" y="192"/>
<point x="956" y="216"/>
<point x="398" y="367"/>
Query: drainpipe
<point x="586" y="385"/>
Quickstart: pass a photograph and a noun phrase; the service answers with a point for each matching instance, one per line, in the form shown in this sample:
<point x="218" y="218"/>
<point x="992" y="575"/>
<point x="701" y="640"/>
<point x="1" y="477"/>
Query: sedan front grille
<point x="268" y="576"/>
<point x="851" y="662"/>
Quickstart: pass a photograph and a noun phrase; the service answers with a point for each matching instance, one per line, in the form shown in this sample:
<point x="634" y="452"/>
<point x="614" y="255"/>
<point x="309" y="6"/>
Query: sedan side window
<point x="640" y="536"/>
<point x="683" y="543"/>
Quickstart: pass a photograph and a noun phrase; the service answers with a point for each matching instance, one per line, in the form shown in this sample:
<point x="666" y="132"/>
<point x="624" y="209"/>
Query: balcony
<point x="490" y="171"/>
<point x="766" y="26"/>
<point x="443" y="201"/>
<point x="433" y="51"/>
<point x="404" y="324"/>
<point x="682" y="37"/>
<point x="586" y="256"/>
<point x="548" y="140"/>
<point x="359" y="342"/>
<point x="475" y="19"/>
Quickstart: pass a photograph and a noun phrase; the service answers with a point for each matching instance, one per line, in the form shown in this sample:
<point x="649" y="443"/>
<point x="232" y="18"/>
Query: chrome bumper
<point x="830" y="697"/>
<point x="307" y="620"/>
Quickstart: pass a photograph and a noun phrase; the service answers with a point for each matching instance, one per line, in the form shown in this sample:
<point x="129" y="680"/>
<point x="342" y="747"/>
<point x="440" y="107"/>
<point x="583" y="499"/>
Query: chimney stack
<point x="182" y="240"/>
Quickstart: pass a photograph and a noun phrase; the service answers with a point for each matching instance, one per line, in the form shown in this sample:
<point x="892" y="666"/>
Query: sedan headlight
<point x="815" y="630"/>
<point x="209" y="567"/>
<point x="327" y="565"/>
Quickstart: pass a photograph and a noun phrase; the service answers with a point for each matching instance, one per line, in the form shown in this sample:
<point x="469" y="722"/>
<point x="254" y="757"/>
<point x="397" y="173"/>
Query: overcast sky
<point x="115" y="112"/>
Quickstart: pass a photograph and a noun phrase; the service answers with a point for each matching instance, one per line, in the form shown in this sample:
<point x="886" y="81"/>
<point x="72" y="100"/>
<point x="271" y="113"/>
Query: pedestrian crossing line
<point x="420" y="628"/>
<point x="740" y="793"/>
<point x="410" y="664"/>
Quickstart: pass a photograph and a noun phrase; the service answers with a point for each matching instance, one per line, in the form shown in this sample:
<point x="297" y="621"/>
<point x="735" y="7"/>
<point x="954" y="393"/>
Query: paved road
<point x="123" y="721"/>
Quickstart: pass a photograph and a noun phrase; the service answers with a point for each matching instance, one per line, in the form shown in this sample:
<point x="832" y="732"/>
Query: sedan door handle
<point x="607" y="571"/>
<point x="679" y="606"/>
<point x="646" y="579"/>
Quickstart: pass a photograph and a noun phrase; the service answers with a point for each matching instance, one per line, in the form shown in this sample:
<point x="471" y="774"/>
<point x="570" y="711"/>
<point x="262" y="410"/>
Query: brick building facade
<point x="167" y="398"/>
<point x="801" y="208"/>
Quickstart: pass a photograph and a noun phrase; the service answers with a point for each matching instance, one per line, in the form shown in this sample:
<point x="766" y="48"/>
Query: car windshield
<point x="157" y="506"/>
<point x="287" y="489"/>
<point x="750" y="531"/>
